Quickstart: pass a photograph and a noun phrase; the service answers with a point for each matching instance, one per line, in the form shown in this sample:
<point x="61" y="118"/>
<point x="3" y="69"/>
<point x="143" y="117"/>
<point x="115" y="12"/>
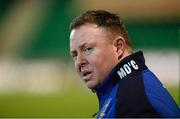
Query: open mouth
<point x="86" y="75"/>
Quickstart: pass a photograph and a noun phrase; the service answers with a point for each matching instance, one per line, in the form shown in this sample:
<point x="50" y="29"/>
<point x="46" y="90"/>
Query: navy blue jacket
<point x="132" y="90"/>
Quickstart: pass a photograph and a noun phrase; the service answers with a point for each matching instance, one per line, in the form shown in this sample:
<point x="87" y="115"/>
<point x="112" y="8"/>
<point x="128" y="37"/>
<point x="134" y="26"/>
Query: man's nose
<point x="81" y="60"/>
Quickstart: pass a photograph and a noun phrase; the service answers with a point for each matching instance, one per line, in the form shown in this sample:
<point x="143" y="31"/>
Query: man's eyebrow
<point x="83" y="45"/>
<point x="80" y="46"/>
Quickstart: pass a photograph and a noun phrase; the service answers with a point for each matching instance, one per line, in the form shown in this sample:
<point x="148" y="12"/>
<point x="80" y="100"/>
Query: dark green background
<point x="52" y="39"/>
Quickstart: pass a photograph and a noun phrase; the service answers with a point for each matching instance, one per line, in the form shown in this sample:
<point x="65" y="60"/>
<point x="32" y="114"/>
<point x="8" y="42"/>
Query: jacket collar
<point x="130" y="65"/>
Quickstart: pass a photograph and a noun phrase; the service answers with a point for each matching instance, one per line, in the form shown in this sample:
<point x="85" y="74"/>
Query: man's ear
<point x="119" y="43"/>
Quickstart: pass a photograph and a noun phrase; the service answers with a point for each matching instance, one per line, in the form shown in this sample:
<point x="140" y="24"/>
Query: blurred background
<point x="37" y="77"/>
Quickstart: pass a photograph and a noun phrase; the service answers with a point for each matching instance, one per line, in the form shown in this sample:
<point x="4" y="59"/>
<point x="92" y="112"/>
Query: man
<point x="103" y="58"/>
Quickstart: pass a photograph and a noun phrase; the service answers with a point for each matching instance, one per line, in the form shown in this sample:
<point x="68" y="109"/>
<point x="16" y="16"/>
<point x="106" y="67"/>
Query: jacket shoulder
<point x="158" y="96"/>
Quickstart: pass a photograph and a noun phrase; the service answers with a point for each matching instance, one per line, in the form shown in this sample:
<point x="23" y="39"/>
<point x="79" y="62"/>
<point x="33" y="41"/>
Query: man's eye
<point x="74" y="56"/>
<point x="87" y="50"/>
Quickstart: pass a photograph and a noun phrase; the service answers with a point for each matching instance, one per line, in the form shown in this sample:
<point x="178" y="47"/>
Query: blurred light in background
<point x="36" y="68"/>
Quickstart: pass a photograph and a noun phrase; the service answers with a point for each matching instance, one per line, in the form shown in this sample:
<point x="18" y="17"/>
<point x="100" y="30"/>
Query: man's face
<point x="93" y="53"/>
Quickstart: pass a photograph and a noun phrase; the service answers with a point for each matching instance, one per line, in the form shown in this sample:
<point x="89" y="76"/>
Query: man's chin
<point x="91" y="85"/>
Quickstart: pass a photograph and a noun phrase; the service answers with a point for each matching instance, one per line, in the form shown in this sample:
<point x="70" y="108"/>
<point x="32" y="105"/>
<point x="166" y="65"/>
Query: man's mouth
<point x="86" y="75"/>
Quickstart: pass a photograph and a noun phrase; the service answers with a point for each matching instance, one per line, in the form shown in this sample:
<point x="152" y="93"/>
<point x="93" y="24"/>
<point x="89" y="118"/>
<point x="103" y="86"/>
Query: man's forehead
<point x="88" y="27"/>
<point x="86" y="34"/>
<point x="79" y="44"/>
<point x="87" y="31"/>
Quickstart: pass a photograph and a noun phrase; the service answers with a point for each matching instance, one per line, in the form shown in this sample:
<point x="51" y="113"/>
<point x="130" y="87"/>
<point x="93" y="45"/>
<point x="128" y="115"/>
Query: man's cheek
<point x="77" y="70"/>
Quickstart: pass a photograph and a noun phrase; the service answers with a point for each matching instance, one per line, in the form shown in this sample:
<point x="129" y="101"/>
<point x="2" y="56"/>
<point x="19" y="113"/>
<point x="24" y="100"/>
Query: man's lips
<point x="86" y="75"/>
